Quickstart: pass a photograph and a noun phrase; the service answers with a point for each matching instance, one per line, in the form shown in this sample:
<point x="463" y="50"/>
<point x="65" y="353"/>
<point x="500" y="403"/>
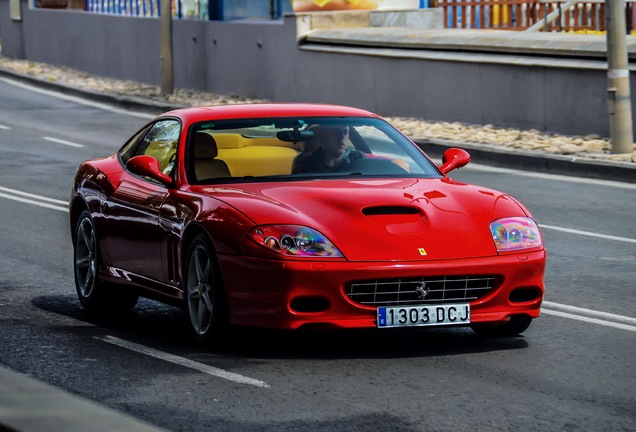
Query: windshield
<point x="299" y="148"/>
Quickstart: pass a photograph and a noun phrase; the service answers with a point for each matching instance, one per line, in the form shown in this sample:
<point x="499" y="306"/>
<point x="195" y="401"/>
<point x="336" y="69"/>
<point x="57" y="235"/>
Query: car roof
<point x="237" y="111"/>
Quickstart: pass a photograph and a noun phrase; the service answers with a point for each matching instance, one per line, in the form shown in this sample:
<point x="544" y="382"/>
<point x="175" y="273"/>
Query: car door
<point x="136" y="237"/>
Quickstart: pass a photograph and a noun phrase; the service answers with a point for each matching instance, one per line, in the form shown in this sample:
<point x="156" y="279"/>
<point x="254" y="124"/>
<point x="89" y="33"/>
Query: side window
<point x="158" y="140"/>
<point x="129" y="149"/>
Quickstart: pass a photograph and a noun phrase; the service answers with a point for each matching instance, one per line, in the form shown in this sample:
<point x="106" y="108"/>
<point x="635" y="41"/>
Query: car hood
<point x="381" y="220"/>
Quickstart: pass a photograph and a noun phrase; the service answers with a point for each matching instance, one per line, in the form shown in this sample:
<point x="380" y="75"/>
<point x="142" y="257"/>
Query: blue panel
<point x="240" y="9"/>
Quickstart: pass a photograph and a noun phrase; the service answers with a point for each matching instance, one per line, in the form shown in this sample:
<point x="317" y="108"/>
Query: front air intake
<point x="526" y="294"/>
<point x="309" y="304"/>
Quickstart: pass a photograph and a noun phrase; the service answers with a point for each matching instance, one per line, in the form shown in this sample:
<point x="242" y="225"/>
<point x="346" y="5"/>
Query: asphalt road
<point x="573" y="370"/>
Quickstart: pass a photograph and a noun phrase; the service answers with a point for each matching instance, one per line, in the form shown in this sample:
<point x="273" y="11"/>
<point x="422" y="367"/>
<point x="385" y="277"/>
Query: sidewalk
<point x="27" y="405"/>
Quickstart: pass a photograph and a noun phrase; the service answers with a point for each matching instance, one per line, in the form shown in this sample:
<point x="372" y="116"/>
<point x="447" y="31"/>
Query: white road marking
<point x="589" y="234"/>
<point x="590" y="316"/>
<point x="210" y="370"/>
<point x="26" y="194"/>
<point x="66" y="143"/>
<point x="590" y="312"/>
<point x="620" y="258"/>
<point x="35" y="203"/>
<point x="3" y="127"/>
<point x="78" y="100"/>
<point x="37" y="200"/>
<point x="589" y="320"/>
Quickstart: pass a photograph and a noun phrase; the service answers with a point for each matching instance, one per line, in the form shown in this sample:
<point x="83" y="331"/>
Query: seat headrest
<point x="205" y="146"/>
<point x="312" y="143"/>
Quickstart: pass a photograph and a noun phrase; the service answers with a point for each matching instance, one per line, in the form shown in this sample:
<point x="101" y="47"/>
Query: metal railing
<point x="573" y="16"/>
<point x="490" y="14"/>
<point x="545" y="15"/>
<point x="149" y="8"/>
<point x="186" y="9"/>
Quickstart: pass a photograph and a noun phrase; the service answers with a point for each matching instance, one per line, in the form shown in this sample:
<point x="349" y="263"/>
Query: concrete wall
<point x="262" y="60"/>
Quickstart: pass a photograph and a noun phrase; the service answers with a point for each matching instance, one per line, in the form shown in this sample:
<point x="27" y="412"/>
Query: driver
<point x="333" y="153"/>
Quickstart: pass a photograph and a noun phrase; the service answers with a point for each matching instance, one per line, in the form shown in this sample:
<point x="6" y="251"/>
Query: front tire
<point x="513" y="327"/>
<point x="205" y="299"/>
<point x="92" y="292"/>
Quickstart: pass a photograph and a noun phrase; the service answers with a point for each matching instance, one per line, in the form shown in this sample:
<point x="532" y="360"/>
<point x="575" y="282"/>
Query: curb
<point x="125" y="102"/>
<point x="483" y="154"/>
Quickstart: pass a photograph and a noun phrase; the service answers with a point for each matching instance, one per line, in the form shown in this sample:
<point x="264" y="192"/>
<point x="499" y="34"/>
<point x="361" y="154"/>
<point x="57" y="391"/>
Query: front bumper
<point x="266" y="293"/>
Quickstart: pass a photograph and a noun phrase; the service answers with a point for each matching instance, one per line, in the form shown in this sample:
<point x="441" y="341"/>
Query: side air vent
<point x="389" y="210"/>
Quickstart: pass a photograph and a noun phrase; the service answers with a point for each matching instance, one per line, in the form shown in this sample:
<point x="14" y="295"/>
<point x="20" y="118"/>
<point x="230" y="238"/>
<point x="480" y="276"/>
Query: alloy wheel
<point x="85" y="257"/>
<point x="200" y="290"/>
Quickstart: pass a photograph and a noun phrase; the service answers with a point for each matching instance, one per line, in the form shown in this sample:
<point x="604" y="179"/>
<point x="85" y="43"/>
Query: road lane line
<point x="588" y="233"/>
<point x="210" y="370"/>
<point x="53" y="206"/>
<point x="589" y="320"/>
<point x="583" y="311"/>
<point x="30" y="195"/>
<point x="3" y="127"/>
<point x="66" y="143"/>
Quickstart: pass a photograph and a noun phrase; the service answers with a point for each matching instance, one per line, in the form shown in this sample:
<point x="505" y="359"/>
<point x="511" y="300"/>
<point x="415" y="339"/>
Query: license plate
<point x="429" y="315"/>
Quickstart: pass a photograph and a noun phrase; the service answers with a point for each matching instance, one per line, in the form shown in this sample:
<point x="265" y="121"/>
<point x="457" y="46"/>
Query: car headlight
<point x="294" y="240"/>
<point x="515" y="233"/>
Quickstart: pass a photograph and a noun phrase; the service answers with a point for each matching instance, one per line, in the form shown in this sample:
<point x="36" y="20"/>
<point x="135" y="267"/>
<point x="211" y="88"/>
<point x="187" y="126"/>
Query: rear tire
<point x="513" y="327"/>
<point x="92" y="292"/>
<point x="206" y="304"/>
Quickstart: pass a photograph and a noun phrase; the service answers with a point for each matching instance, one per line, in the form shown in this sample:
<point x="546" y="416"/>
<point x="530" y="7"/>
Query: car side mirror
<point x="147" y="166"/>
<point x="454" y="158"/>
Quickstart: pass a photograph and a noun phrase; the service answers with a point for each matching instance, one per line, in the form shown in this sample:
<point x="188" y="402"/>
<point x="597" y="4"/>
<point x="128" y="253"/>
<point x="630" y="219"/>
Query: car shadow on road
<point x="164" y="328"/>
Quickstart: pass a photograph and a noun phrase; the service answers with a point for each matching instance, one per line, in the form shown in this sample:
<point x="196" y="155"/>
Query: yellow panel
<point x="229" y="141"/>
<point x="246" y="156"/>
<point x="232" y="141"/>
<point x="258" y="160"/>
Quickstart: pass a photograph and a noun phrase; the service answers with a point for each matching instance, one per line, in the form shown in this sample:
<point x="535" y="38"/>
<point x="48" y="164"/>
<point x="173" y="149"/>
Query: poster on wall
<point x="331" y="5"/>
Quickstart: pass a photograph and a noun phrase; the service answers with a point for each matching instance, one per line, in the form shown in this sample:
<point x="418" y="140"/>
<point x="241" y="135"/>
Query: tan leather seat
<point x="205" y="164"/>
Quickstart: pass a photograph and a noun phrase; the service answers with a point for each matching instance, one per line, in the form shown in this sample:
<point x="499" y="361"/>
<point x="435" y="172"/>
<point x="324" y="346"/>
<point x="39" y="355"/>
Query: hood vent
<point x="389" y="210"/>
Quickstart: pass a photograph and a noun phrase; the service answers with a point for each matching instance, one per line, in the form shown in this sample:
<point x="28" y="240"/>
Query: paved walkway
<point x="27" y="405"/>
<point x="564" y="45"/>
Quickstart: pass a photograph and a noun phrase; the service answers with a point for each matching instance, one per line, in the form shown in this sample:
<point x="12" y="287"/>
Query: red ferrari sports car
<point x="298" y="215"/>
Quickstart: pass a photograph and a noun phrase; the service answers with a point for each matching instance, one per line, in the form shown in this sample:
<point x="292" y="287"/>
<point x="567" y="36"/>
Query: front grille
<point x="438" y="290"/>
